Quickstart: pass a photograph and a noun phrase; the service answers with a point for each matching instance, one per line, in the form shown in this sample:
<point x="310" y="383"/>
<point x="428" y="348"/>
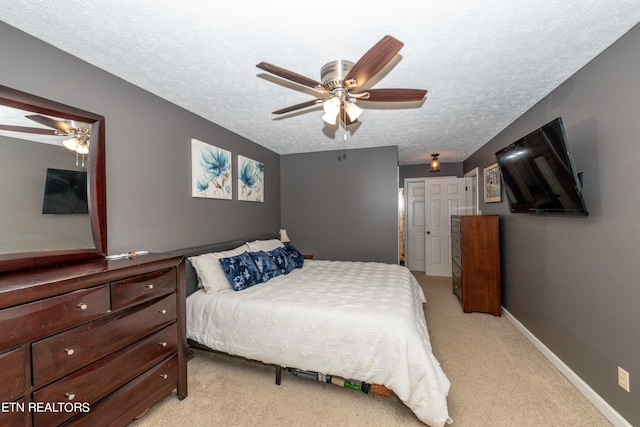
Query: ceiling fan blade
<point x="394" y="95"/>
<point x="24" y="129"/>
<point x="289" y="75"/>
<point x="56" y="124"/>
<point x="299" y="106"/>
<point x="374" y="60"/>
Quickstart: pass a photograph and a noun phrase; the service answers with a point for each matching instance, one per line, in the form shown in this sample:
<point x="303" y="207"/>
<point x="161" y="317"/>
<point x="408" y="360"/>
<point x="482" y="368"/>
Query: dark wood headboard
<point x="192" y="277"/>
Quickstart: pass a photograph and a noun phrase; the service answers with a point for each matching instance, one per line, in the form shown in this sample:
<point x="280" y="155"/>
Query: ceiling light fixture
<point x="435" y="163"/>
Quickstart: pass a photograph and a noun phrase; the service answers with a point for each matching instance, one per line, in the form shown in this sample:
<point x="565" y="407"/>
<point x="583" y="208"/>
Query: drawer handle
<point x="163" y="311"/>
<point x="164" y="376"/>
<point x="70" y="396"/>
<point x="163" y="344"/>
<point x="149" y="286"/>
<point x="82" y="306"/>
<point x="69" y="351"/>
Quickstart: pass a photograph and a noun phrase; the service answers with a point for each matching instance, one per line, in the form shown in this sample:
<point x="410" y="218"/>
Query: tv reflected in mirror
<point x="65" y="192"/>
<point x="539" y="174"/>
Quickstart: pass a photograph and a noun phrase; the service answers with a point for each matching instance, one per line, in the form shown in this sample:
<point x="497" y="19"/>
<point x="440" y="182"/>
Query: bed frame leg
<point x="278" y="375"/>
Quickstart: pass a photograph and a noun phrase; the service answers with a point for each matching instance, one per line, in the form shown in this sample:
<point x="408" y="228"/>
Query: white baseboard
<point x="601" y="405"/>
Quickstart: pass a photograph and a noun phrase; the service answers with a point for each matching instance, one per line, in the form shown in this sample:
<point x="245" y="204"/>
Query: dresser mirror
<point x="52" y="182"/>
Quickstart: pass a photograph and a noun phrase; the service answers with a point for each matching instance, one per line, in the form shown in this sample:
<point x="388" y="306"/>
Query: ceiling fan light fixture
<point x="331" y="108"/>
<point x="82" y="149"/>
<point x="353" y="111"/>
<point x="330" y="119"/>
<point x="71" y="144"/>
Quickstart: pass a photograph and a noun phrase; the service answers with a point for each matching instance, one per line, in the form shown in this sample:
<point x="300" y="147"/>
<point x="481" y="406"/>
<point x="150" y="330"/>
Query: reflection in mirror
<point x="42" y="209"/>
<point x="52" y="201"/>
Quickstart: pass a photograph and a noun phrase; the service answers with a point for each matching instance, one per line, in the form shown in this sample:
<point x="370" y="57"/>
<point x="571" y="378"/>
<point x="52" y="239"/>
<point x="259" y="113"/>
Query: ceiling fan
<point x="79" y="136"/>
<point x="343" y="81"/>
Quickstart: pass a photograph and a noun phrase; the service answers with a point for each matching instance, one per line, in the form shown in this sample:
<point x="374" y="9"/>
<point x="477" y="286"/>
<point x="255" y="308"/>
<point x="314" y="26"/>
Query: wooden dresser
<point x="92" y="343"/>
<point x="475" y="250"/>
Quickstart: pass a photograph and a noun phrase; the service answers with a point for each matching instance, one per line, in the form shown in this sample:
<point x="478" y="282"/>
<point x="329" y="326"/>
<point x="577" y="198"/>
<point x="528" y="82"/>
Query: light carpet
<point x="498" y="379"/>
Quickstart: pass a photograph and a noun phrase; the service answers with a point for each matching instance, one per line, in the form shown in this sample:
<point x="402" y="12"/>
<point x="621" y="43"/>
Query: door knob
<point x="428" y="232"/>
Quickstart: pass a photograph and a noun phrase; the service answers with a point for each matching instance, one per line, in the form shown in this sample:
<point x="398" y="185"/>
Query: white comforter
<point x="357" y="320"/>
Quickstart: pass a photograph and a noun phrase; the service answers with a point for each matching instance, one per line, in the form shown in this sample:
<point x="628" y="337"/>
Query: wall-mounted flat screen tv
<point x="539" y="175"/>
<point x="65" y="192"/>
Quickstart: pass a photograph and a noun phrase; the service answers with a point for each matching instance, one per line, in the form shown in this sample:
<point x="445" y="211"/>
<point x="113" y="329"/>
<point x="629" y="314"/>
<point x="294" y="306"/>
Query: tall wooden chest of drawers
<point x="92" y="343"/>
<point x="475" y="250"/>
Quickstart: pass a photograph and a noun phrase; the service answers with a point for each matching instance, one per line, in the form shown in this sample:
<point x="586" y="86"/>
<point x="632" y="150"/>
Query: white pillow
<point x="264" y="245"/>
<point x="211" y="277"/>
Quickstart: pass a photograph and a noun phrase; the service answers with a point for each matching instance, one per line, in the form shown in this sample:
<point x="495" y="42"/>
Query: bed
<point x="357" y="320"/>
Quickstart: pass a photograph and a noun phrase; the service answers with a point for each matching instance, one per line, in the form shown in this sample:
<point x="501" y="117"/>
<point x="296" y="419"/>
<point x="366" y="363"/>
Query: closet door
<point x="443" y="197"/>
<point x="414" y="224"/>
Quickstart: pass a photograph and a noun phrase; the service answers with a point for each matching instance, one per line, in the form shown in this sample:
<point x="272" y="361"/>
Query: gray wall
<point x="424" y="171"/>
<point x="573" y="281"/>
<point x="342" y="205"/>
<point x="149" y="204"/>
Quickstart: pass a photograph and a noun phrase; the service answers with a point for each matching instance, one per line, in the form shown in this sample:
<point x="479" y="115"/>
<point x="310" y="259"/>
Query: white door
<point x="414" y="224"/>
<point x="443" y="197"/>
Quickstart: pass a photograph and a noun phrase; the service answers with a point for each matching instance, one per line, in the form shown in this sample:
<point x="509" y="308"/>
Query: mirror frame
<point x="96" y="188"/>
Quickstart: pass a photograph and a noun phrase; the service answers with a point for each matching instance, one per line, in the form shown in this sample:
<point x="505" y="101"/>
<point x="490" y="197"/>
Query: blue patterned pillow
<point x="294" y="254"/>
<point x="241" y="271"/>
<point x="283" y="261"/>
<point x="265" y="264"/>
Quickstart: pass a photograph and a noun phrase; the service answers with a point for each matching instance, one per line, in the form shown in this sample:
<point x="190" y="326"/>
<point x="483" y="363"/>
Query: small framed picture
<point x="492" y="185"/>
<point x="250" y="179"/>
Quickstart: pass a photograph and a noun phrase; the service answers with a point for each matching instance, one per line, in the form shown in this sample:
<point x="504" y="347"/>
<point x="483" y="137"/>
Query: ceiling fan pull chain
<point x="344" y="124"/>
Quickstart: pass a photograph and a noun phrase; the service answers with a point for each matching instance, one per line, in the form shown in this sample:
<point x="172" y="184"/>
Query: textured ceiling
<point x="483" y="62"/>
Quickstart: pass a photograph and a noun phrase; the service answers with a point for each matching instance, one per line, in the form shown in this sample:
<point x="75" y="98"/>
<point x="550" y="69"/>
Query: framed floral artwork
<point x="492" y="184"/>
<point x="210" y="171"/>
<point x="250" y="180"/>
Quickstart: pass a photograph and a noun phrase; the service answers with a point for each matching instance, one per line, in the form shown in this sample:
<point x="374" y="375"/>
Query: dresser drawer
<point x="66" y="352"/>
<point x="456" y="254"/>
<point x="123" y="405"/>
<point x="137" y="289"/>
<point x="456" y="241"/>
<point x="456" y="225"/>
<point x="457" y="289"/>
<point x="15" y="414"/>
<point x="29" y="321"/>
<point x="95" y="381"/>
<point x="12" y="374"/>
<point x="456" y="271"/>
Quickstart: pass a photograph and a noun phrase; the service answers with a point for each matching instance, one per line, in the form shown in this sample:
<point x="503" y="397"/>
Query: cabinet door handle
<point x="149" y="286"/>
<point x="164" y="376"/>
<point x="162" y="311"/>
<point x="70" y="396"/>
<point x="163" y="344"/>
<point x="82" y="306"/>
<point x="69" y="351"/>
